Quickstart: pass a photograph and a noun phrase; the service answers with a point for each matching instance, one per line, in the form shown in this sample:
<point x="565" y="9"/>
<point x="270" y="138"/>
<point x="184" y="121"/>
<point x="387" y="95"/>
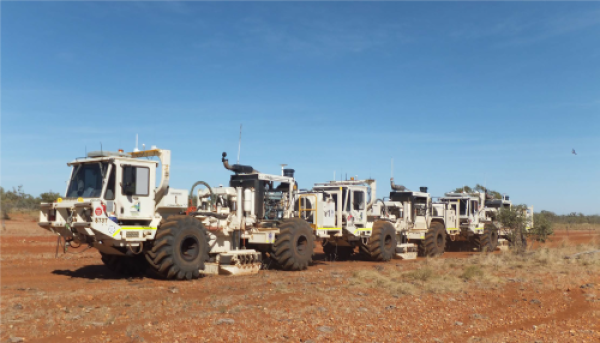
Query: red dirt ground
<point x="74" y="298"/>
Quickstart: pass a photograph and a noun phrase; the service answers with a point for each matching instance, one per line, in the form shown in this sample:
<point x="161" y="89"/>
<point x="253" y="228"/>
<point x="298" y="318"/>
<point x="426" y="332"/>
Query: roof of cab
<point x="106" y="156"/>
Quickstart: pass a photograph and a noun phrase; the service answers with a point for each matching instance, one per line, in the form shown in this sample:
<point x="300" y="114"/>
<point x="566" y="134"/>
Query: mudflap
<point x="239" y="262"/>
<point x="406" y="251"/>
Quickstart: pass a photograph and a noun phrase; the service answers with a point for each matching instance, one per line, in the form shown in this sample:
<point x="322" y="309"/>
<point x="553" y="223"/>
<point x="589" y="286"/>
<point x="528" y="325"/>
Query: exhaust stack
<point x="396" y="187"/>
<point x="237" y="168"/>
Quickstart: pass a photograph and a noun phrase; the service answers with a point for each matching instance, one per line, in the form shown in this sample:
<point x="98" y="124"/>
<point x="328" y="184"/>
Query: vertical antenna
<point x="334" y="175"/>
<point x="136" y="143"/>
<point x="101" y="149"/>
<point x="239" y="144"/>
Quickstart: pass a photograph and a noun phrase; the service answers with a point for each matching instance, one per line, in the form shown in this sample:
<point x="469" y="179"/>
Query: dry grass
<point x="427" y="279"/>
<point x="472" y="272"/>
<point x="482" y="271"/>
<point x="544" y="259"/>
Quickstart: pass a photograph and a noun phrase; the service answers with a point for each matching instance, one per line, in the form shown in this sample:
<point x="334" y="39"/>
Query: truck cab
<point x="338" y="209"/>
<point x="111" y="200"/>
<point x="471" y="214"/>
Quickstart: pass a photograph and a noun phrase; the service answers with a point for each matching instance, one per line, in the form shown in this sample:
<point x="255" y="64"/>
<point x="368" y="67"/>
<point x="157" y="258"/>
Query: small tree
<point x="49" y="196"/>
<point x="543" y="226"/>
<point x="515" y="219"/>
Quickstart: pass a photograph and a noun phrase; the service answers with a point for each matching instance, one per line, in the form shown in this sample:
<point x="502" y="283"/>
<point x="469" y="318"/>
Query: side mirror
<point x="128" y="184"/>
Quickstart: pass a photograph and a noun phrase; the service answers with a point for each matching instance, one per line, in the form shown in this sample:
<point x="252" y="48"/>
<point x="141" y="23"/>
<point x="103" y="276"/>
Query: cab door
<point x="451" y="214"/>
<point x="135" y="192"/>
<point x="358" y="208"/>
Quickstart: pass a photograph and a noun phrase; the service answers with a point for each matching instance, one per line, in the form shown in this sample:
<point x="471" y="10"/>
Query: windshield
<point x="86" y="181"/>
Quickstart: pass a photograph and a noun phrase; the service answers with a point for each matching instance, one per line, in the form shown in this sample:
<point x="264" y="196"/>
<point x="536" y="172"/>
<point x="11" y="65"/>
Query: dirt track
<point x="75" y="298"/>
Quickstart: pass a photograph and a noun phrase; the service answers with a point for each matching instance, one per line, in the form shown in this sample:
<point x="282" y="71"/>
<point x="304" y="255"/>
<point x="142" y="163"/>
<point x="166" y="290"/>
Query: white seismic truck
<point x="418" y="220"/>
<point x="478" y="219"/>
<point x="111" y="203"/>
<point x="475" y="226"/>
<point x="345" y="215"/>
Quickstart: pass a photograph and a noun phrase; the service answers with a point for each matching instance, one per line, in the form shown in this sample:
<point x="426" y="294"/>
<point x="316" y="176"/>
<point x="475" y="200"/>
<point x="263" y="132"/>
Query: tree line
<point x="571" y="218"/>
<point x="17" y="200"/>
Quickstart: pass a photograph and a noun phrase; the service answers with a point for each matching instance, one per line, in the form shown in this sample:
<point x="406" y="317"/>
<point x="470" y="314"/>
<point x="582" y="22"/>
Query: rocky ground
<point x="462" y="297"/>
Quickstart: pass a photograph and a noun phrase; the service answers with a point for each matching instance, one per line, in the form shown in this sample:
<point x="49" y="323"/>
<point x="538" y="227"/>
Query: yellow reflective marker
<point x="59" y="200"/>
<point x="133" y="228"/>
<point x="79" y="199"/>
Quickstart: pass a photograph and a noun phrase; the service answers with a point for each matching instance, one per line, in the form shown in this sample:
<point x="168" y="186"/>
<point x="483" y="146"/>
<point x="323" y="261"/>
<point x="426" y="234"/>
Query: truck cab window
<point x="463" y="207"/>
<point x="110" y="187"/>
<point x="136" y="180"/>
<point x="358" y="201"/>
<point x="86" y="180"/>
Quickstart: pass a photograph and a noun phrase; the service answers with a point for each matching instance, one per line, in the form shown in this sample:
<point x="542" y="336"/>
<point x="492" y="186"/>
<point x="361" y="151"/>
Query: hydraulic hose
<point x="384" y="207"/>
<point x="213" y="199"/>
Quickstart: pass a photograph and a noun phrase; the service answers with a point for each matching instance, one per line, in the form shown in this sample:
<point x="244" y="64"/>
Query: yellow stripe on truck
<point x="133" y="228"/>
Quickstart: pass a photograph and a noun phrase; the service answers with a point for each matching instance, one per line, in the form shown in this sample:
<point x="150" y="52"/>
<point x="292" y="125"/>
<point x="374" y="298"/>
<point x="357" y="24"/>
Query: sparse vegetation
<point x="516" y="220"/>
<point x="472" y="272"/>
<point x="421" y="274"/>
<point x="542" y="227"/>
<point x="572" y="218"/>
<point x="478" y="189"/>
<point x="17" y="200"/>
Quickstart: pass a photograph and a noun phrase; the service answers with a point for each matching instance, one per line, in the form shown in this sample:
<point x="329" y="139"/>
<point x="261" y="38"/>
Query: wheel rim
<point x="387" y="242"/>
<point x="302" y="244"/>
<point x="190" y="248"/>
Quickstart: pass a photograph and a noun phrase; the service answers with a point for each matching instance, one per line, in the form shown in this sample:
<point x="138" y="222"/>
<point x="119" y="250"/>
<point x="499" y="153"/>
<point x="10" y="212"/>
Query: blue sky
<point x="455" y="93"/>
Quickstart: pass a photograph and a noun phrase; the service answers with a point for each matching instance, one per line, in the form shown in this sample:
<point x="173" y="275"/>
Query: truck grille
<point x="132" y="234"/>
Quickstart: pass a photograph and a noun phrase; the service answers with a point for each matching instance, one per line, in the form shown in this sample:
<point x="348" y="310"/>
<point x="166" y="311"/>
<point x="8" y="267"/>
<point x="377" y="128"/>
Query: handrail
<point x="315" y="209"/>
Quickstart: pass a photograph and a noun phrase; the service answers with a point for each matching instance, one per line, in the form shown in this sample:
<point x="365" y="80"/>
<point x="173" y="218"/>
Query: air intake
<point x="288" y="172"/>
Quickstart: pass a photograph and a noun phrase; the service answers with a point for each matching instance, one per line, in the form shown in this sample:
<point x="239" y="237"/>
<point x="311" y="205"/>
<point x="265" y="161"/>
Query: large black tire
<point x="125" y="265"/>
<point x="336" y="252"/>
<point x="482" y="241"/>
<point x="434" y="243"/>
<point x="493" y="237"/>
<point x="488" y="240"/>
<point x="179" y="249"/>
<point x="294" y="245"/>
<point x="382" y="243"/>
